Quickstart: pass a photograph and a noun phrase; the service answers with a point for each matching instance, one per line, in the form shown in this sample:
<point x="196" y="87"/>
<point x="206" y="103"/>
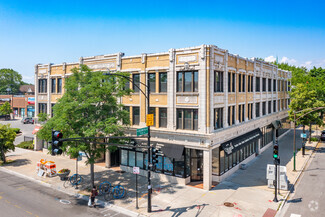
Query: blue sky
<point x="58" y="31"/>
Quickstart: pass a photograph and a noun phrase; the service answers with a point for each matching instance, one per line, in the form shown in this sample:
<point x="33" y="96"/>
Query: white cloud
<point x="307" y="64"/>
<point x="288" y="60"/>
<point x="270" y="59"/>
<point x="28" y="79"/>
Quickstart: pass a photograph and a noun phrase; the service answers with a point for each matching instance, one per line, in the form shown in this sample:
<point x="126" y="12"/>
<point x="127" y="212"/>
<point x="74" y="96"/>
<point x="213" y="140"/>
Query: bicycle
<point x="110" y="192"/>
<point x="73" y="180"/>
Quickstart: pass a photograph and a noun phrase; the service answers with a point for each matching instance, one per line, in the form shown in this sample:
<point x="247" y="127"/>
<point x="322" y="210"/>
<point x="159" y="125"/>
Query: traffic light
<point x="275" y="151"/>
<point x="154" y="157"/>
<point x="56" y="143"/>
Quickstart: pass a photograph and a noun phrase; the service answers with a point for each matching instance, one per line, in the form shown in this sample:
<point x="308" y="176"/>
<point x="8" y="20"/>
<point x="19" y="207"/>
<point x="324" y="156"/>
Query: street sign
<point x="303" y="135"/>
<point x="149" y="119"/>
<point x="136" y="170"/>
<point x="142" y="131"/>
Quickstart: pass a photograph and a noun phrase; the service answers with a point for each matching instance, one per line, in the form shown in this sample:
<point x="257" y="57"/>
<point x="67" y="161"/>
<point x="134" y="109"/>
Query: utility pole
<point x="149" y="149"/>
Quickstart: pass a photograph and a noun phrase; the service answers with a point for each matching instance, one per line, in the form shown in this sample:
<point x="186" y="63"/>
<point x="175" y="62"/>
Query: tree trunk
<point x="303" y="129"/>
<point x="309" y="133"/>
<point x="92" y="175"/>
<point x="3" y="154"/>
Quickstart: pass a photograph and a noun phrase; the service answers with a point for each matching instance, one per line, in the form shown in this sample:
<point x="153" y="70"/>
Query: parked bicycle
<point x="75" y="179"/>
<point x="110" y="192"/>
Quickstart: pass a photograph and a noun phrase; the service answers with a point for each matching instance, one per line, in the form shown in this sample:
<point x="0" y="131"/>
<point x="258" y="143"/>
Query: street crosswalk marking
<point x="295" y="215"/>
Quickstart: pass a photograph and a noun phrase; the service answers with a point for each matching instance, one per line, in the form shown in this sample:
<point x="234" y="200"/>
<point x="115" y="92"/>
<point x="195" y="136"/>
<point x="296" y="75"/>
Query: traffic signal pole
<point x="276" y="162"/>
<point x="149" y="149"/>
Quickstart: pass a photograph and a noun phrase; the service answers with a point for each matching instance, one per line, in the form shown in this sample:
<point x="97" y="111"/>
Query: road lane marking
<point x="17" y="206"/>
<point x="295" y="215"/>
<point x="7" y="201"/>
<point x="29" y="212"/>
<point x="21" y="188"/>
<point x="0" y="197"/>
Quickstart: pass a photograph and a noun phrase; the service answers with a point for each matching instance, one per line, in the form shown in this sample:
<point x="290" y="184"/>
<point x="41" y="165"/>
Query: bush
<point x="314" y="139"/>
<point x="17" y="130"/>
<point x="26" y="145"/>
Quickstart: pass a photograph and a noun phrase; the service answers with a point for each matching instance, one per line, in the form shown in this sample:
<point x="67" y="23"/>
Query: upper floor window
<point x="59" y="85"/>
<point x="274" y="85"/>
<point x="257" y="109"/>
<point x="244" y="83"/>
<point x="269" y="85"/>
<point x="218" y="81"/>
<point x="53" y="85"/>
<point x="152" y="82"/>
<point x="42" y="108"/>
<point x="269" y="107"/>
<point x="241" y="113"/>
<point x="136" y="116"/>
<point x="187" y="81"/>
<point x="239" y="83"/>
<point x="258" y="85"/>
<point x="264" y="108"/>
<point x="274" y="105"/>
<point x="250" y="111"/>
<point x="289" y="86"/>
<point x="136" y="82"/>
<point x="42" y="85"/>
<point x="249" y="83"/>
<point x="264" y="85"/>
<point x="218" y="118"/>
<point x="163" y="82"/>
<point x="163" y="117"/>
<point x="187" y="119"/>
<point x="231" y="81"/>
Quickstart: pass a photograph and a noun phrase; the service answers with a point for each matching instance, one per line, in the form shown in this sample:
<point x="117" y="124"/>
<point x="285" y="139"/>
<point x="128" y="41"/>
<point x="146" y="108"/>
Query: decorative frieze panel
<point x="42" y="71"/>
<point x="42" y="98"/>
<point x="102" y="66"/>
<point x="193" y="58"/>
<point x="186" y="99"/>
<point x="218" y="99"/>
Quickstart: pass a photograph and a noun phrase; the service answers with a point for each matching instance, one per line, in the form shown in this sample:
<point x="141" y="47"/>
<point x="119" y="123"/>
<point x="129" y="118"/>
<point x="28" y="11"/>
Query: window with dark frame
<point x="239" y="83"/>
<point x="136" y="116"/>
<point x="53" y="85"/>
<point x="218" y="118"/>
<point x="42" y="108"/>
<point x="233" y="121"/>
<point x="136" y="82"/>
<point x="264" y="84"/>
<point x="269" y="107"/>
<point x="274" y="85"/>
<point x="274" y="105"/>
<point x="152" y="82"/>
<point x="244" y="82"/>
<point x="269" y="85"/>
<point x="218" y="81"/>
<point x="163" y="117"/>
<point x="257" y="109"/>
<point x="233" y="82"/>
<point x="162" y="82"/>
<point x="59" y="85"/>
<point x="228" y="116"/>
<point x="42" y="85"/>
<point x="187" y="119"/>
<point x="252" y="83"/>
<point x="258" y="85"/>
<point x="187" y="81"/>
<point x="263" y="108"/>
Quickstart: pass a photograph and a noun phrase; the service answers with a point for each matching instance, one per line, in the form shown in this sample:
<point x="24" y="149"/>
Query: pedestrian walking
<point x="93" y="195"/>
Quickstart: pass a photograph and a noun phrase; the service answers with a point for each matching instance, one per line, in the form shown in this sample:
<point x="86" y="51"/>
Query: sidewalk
<point x="245" y="189"/>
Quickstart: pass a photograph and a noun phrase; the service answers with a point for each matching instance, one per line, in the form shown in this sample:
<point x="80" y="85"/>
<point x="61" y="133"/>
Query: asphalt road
<point x="26" y="129"/>
<point x="309" y="197"/>
<point x="23" y="198"/>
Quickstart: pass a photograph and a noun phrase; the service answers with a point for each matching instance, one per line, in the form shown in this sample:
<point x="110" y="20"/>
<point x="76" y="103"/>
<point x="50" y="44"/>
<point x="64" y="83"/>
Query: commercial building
<point x="212" y="109"/>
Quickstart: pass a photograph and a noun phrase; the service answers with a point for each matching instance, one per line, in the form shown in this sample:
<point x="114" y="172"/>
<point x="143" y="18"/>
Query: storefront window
<point x="145" y="161"/>
<point x="179" y="167"/>
<point x="140" y="160"/>
<point x="188" y="162"/>
<point x="222" y="162"/>
<point x="168" y="166"/>
<point x="234" y="159"/>
<point x="159" y="165"/>
<point x="230" y="161"/>
<point x="226" y="163"/>
<point x="131" y="158"/>
<point x="215" y="161"/>
<point x="124" y="157"/>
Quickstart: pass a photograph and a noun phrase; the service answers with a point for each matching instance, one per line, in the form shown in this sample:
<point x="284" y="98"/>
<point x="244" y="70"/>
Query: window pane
<point x="53" y="85"/>
<point x="131" y="158"/>
<point x="179" y="119"/>
<point x="222" y="162"/>
<point x="59" y="85"/>
<point x="136" y="82"/>
<point x="179" y="82"/>
<point x="136" y="115"/>
<point x="258" y="84"/>
<point x="196" y="82"/>
<point x="188" y="82"/>
<point x="229" y="82"/>
<point x="124" y="157"/>
<point x="162" y="117"/>
<point x="140" y="160"/>
<point x="145" y="161"/>
<point x="168" y="166"/>
<point x="244" y="80"/>
<point x="233" y="82"/>
<point x="195" y="117"/>
<point x="179" y="167"/>
<point x="215" y="161"/>
<point x="187" y="119"/>
<point x="188" y="162"/>
<point x="159" y="165"/>
<point x="152" y="82"/>
<point x="163" y="82"/>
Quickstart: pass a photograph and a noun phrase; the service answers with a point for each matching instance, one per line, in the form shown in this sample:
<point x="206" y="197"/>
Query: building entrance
<point x="196" y="165"/>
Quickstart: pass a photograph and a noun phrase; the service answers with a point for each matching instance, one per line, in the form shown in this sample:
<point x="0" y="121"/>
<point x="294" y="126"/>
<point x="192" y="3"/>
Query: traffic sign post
<point x="142" y="131"/>
<point x="150" y="119"/>
<point x="136" y="171"/>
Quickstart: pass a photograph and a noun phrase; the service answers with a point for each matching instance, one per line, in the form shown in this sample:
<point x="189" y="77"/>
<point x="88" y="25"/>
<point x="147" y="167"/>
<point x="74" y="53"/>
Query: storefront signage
<point x="5" y="99"/>
<point x="31" y="100"/>
<point x="235" y="144"/>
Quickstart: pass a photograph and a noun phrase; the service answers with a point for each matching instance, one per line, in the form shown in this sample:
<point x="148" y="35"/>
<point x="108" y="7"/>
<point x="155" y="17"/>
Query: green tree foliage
<point x="88" y="108"/>
<point x="42" y="117"/>
<point x="5" y="109"/>
<point x="9" y="78"/>
<point x="7" y="138"/>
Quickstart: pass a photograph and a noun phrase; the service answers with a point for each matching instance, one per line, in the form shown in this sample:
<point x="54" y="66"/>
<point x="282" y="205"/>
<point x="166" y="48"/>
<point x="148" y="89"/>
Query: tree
<point x="7" y="138"/>
<point x="9" y="78"/>
<point x="88" y="108"/>
<point x="5" y="109"/>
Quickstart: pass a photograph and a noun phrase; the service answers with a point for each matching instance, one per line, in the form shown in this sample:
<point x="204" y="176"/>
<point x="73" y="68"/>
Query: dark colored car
<point x="322" y="136"/>
<point x="27" y="121"/>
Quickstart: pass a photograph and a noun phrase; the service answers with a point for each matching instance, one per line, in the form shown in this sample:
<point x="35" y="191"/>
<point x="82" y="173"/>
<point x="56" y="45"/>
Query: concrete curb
<point x="79" y="196"/>
<point x="295" y="182"/>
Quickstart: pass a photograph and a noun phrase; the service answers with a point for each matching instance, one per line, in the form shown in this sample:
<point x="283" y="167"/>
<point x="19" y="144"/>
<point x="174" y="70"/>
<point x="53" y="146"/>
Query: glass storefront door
<point x="196" y="165"/>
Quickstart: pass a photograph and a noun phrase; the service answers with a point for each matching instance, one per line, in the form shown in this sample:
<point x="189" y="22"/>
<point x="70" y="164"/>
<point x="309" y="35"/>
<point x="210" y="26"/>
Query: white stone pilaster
<point x="225" y="90"/>
<point x="207" y="169"/>
<point x="36" y="90"/>
<point x="171" y="91"/>
<point x="49" y="90"/>
<point x="202" y="91"/>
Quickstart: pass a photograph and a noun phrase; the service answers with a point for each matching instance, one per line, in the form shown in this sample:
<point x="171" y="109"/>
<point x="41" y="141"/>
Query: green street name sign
<point x="142" y="131"/>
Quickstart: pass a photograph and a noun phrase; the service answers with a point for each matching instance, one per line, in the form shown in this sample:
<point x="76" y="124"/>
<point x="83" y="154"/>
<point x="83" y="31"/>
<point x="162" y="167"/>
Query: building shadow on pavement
<point x="181" y="210"/>
<point x="18" y="163"/>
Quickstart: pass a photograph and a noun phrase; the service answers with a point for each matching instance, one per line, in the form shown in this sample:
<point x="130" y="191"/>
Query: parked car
<point x="27" y="121"/>
<point x="322" y="136"/>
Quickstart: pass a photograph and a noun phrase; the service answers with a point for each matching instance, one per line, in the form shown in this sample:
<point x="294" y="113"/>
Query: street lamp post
<point x="148" y="142"/>
<point x="294" y="130"/>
